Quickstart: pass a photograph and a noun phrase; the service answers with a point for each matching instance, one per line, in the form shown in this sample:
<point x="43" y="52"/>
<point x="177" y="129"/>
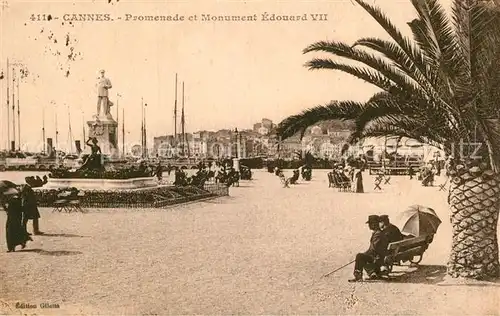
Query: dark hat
<point x="384" y="218"/>
<point x="373" y="219"/>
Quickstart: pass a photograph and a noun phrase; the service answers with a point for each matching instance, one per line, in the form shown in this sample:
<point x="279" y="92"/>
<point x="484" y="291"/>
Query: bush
<point x="124" y="173"/>
<point x="151" y="197"/>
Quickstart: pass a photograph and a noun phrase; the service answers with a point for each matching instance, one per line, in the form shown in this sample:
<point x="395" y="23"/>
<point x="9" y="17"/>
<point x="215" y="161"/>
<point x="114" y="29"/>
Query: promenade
<point x="262" y="250"/>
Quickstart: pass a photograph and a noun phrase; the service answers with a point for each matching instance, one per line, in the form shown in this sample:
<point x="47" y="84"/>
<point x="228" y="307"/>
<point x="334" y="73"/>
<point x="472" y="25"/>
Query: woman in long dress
<point x="358" y="176"/>
<point x="16" y="234"/>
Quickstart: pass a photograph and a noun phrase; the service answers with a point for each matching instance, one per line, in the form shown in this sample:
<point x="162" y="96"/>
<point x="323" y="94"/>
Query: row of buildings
<point x="323" y="141"/>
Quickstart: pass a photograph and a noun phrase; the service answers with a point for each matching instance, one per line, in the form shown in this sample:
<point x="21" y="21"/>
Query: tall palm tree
<point x="441" y="88"/>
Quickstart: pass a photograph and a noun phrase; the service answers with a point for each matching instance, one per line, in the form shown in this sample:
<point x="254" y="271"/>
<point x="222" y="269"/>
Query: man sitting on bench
<point x="372" y="259"/>
<point x="392" y="234"/>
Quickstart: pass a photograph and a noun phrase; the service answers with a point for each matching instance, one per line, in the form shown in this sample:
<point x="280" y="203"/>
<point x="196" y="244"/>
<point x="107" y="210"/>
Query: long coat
<point x="378" y="247"/>
<point x="393" y="233"/>
<point x="15" y="232"/>
<point x="29" y="203"/>
<point x="102" y="87"/>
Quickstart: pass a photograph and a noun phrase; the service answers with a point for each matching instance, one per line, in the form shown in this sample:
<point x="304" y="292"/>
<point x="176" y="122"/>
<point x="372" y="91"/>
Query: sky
<point x="235" y="73"/>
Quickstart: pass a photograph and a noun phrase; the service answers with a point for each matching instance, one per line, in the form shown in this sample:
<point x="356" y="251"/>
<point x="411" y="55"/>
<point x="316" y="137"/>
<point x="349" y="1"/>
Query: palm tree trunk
<point x="474" y="200"/>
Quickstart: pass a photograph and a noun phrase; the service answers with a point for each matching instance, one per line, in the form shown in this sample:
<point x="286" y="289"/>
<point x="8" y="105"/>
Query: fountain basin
<point x="101" y="184"/>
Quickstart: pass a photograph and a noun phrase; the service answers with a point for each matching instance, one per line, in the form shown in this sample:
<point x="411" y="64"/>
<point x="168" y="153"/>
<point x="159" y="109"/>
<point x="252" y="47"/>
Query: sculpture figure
<point x="103" y="85"/>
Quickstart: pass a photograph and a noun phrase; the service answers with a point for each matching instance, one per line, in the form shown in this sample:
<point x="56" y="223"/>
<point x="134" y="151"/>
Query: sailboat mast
<point x="83" y="127"/>
<point x="18" y="119"/>
<point x="175" y="113"/>
<point x="57" y="133"/>
<point x="13" y="111"/>
<point x="145" y="135"/>
<point x="70" y="134"/>
<point x="123" y="132"/>
<point x="43" y="130"/>
<point x="142" y="127"/>
<point x="182" y="123"/>
<point x="8" y="107"/>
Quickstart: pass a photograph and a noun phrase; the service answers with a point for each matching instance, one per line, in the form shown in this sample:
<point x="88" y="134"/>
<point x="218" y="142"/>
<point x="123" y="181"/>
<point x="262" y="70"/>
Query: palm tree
<point x="440" y="88"/>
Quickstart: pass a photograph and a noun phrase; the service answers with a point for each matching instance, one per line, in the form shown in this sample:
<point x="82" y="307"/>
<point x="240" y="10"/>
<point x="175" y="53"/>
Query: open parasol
<point x="5" y="185"/>
<point x="419" y="220"/>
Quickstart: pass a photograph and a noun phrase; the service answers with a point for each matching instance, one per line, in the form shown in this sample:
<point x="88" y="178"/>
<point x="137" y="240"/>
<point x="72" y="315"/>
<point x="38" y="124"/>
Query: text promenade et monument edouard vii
<point x="264" y="17"/>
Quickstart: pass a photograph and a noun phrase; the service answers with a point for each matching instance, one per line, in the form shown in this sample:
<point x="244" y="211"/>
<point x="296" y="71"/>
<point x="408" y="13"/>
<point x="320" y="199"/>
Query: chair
<point x="377" y="184"/>
<point x="442" y="187"/>
<point x="330" y="180"/>
<point x="69" y="201"/>
<point x="284" y="181"/>
<point x="60" y="205"/>
<point x="74" y="203"/>
<point x="387" y="180"/>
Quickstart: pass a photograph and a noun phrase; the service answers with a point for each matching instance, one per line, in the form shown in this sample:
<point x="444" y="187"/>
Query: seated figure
<point x="93" y="161"/>
<point x="371" y="260"/>
<point x="392" y="233"/>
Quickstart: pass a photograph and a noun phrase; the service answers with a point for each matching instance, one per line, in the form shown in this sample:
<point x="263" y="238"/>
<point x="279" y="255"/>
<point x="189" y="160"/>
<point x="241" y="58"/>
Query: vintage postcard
<point x="228" y="157"/>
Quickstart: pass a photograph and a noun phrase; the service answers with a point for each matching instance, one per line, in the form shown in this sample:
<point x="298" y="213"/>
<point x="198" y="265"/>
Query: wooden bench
<point x="407" y="250"/>
<point x="69" y="201"/>
<point x="336" y="181"/>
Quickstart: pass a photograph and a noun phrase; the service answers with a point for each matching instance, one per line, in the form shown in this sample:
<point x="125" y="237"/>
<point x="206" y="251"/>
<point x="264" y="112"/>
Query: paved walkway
<point x="262" y="250"/>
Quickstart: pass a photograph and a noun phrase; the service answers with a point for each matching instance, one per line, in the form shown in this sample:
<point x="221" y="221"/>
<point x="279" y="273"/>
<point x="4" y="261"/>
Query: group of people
<point x="372" y="260"/>
<point x="20" y="203"/>
<point x="221" y="173"/>
<point x="352" y="174"/>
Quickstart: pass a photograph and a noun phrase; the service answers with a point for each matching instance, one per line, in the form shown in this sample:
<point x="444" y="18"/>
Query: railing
<point x="147" y="198"/>
<point x="219" y="189"/>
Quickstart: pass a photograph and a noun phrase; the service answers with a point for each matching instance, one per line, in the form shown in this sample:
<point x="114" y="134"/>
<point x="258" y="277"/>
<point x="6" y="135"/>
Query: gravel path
<point x="263" y="250"/>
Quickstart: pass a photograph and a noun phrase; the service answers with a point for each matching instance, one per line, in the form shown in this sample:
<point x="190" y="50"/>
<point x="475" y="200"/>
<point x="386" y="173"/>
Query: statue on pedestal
<point x="93" y="161"/>
<point x="103" y="85"/>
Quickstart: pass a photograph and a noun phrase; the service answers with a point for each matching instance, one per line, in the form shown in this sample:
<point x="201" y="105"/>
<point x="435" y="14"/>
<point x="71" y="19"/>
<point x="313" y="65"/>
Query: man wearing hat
<point x="103" y="85"/>
<point x="392" y="233"/>
<point x="372" y="259"/>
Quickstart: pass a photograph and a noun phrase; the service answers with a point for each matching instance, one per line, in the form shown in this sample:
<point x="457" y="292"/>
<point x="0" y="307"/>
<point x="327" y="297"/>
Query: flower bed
<point x="119" y="174"/>
<point x="142" y="198"/>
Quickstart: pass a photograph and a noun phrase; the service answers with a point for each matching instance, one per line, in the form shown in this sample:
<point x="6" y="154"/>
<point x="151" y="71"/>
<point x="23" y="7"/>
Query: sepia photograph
<point x="230" y="157"/>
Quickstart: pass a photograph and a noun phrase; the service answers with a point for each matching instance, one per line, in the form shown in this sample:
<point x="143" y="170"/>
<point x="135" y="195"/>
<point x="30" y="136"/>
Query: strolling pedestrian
<point x="29" y="206"/>
<point x="15" y="232"/>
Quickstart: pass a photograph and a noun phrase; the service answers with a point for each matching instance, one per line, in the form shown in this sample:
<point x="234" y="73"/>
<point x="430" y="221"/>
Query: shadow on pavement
<point x="435" y="274"/>
<point x="422" y="274"/>
<point x="52" y="253"/>
<point x="62" y="235"/>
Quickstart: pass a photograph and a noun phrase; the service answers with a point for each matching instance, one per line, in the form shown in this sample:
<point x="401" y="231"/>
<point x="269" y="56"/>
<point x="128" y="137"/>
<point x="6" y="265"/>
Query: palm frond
<point x="335" y="110"/>
<point x="411" y="50"/>
<point x="399" y="78"/>
<point x="399" y="127"/>
<point x="371" y="76"/>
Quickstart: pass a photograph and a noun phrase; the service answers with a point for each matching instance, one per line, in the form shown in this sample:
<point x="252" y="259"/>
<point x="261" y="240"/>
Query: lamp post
<point x="145" y="133"/>
<point x="237" y="143"/>
<point x="142" y="127"/>
<point x="117" y="123"/>
<point x="236" y="161"/>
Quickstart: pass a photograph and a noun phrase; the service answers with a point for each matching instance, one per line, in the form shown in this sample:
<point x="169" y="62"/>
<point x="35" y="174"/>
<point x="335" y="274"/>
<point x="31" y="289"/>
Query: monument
<point x="103" y="127"/>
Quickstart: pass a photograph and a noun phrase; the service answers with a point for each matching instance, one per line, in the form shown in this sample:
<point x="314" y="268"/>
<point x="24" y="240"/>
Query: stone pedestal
<point x="104" y="129"/>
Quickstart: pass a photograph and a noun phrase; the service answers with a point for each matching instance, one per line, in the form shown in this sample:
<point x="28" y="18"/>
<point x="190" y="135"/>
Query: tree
<point x="441" y="88"/>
